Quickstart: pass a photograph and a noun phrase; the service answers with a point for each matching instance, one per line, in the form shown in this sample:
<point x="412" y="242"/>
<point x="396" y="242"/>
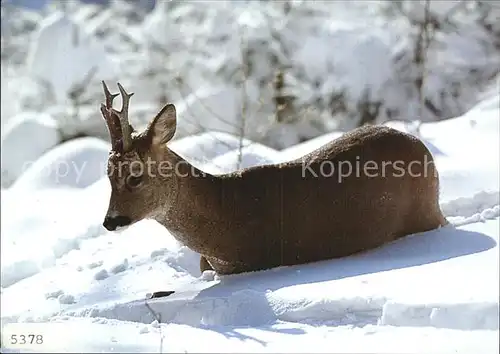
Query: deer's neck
<point x="191" y="205"/>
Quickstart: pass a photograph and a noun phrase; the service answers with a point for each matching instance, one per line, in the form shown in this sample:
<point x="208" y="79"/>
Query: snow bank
<point x="24" y="139"/>
<point x="238" y="159"/>
<point x="52" y="223"/>
<point x="77" y="163"/>
<point x="208" y="145"/>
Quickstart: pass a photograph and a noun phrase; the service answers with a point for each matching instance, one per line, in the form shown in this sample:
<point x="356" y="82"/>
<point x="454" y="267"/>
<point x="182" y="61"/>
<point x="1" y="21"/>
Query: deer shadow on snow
<point x="240" y="300"/>
<point x="414" y="250"/>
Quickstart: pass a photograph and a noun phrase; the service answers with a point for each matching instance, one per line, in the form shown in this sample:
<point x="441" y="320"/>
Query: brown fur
<point x="274" y="215"/>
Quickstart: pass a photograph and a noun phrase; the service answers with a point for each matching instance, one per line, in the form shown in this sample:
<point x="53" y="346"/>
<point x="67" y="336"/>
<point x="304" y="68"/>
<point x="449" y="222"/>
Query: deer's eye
<point x="134" y="181"/>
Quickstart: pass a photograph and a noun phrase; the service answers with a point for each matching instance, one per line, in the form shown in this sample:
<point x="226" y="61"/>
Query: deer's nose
<point x="111" y="223"/>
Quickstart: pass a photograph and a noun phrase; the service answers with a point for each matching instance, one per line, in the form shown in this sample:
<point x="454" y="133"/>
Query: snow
<point x="77" y="163"/>
<point x="17" y="152"/>
<point x="48" y="59"/>
<point x="335" y="57"/>
<point x="220" y="109"/>
<point x="247" y="156"/>
<point x="436" y="292"/>
<point x="84" y="289"/>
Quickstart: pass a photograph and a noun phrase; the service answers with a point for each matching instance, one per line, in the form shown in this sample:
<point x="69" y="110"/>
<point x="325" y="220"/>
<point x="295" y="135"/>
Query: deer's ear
<point x="162" y="128"/>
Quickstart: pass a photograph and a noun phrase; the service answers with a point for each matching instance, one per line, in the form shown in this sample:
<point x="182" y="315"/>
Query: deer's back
<point x="300" y="211"/>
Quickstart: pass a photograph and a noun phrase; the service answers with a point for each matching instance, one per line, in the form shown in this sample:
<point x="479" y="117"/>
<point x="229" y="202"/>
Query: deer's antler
<point x="110" y="118"/>
<point x="123" y="116"/>
<point x="117" y="121"/>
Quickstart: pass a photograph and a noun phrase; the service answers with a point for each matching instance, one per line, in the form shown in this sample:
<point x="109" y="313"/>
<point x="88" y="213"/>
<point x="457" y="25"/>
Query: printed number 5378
<point x="26" y="339"/>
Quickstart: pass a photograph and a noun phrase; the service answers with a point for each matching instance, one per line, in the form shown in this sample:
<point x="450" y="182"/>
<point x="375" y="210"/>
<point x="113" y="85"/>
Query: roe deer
<point x="367" y="188"/>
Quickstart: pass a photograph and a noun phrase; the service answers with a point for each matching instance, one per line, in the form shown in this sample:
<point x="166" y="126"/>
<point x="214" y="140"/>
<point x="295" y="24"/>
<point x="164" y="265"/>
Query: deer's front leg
<point x="204" y="265"/>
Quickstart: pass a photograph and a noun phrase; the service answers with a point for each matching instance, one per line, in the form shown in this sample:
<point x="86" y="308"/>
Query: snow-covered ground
<point x="82" y="288"/>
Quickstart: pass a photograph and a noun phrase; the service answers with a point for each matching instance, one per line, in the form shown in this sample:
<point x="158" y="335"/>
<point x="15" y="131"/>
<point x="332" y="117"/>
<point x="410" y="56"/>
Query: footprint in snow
<point x="101" y="275"/>
<point x="158" y="252"/>
<point x="94" y="264"/>
<point x="66" y="299"/>
<point x="121" y="267"/>
<point x="54" y="294"/>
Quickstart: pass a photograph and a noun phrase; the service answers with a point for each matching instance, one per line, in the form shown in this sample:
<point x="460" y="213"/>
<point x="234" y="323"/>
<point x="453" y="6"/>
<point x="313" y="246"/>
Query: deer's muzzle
<point x="112" y="222"/>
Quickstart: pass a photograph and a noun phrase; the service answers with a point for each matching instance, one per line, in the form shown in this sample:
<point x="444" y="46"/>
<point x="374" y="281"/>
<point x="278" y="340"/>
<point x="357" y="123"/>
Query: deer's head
<point x="138" y="163"/>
